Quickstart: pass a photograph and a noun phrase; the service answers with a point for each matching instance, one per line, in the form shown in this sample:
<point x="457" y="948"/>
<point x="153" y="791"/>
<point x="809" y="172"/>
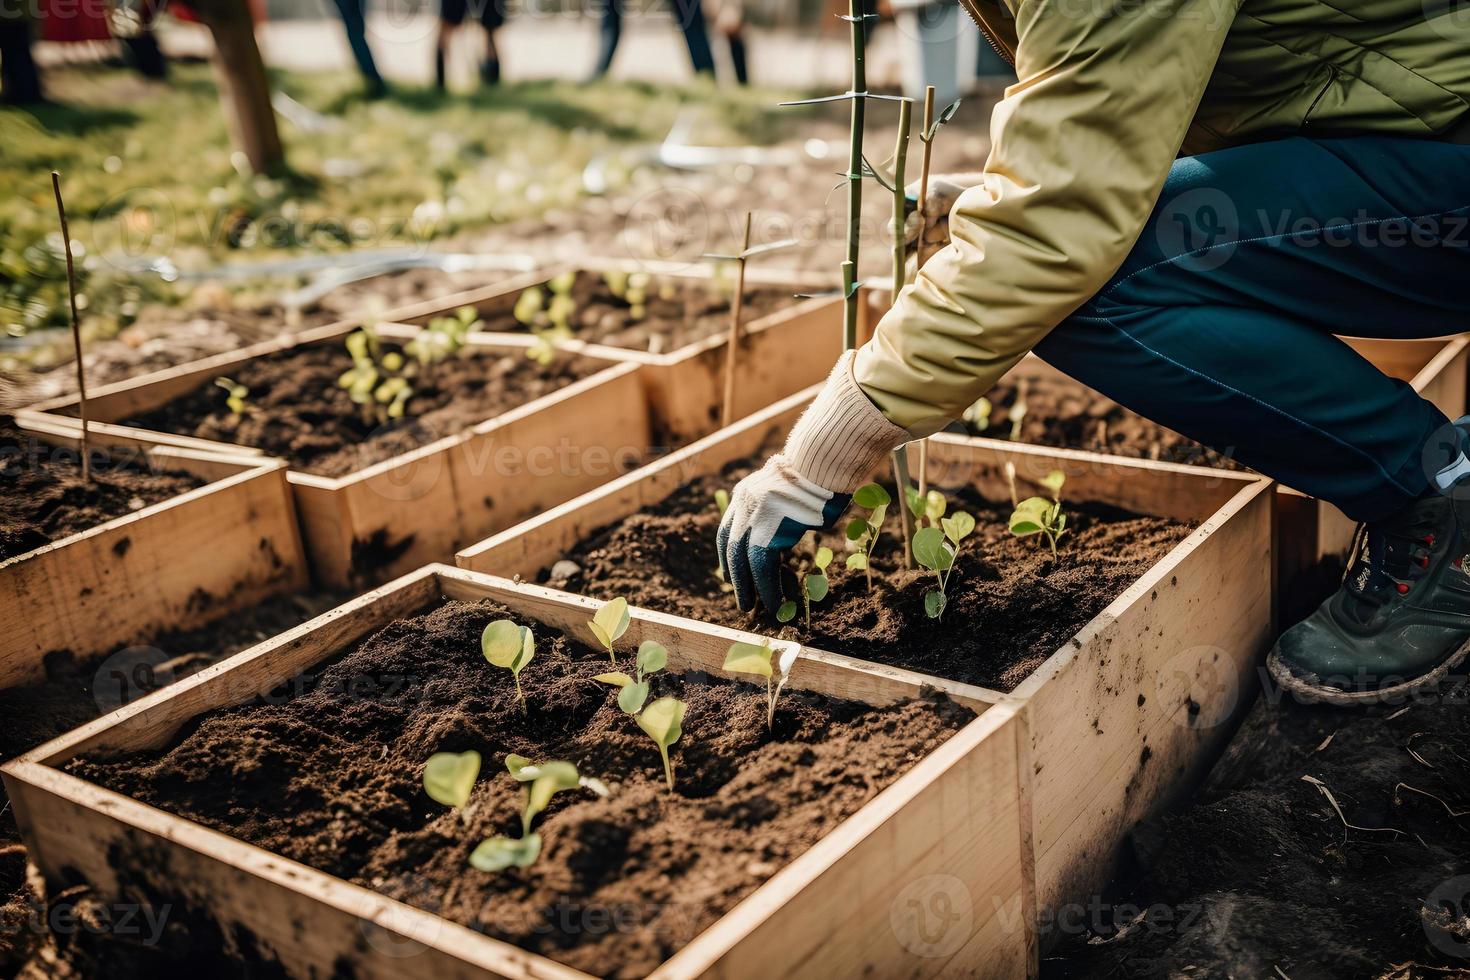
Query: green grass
<point x="148" y="170"/>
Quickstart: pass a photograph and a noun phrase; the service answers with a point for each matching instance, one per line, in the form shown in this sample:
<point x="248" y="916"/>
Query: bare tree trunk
<point x="244" y="87"/>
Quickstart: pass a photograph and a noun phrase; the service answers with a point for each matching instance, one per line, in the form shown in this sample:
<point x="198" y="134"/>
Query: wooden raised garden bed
<point x="947" y="836"/>
<point x="787" y="343"/>
<point x="414" y="498"/>
<point x="1121" y="717"/>
<point x="226" y="540"/>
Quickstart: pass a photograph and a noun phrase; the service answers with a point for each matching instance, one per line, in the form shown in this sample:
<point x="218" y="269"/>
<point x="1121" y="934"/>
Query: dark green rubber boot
<point x="1399" y="623"/>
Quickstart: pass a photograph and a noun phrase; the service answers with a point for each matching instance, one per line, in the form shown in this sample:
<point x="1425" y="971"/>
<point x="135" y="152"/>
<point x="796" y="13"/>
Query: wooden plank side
<point x="927" y="880"/>
<point x="1125" y="722"/>
<point x="786" y="352"/>
<point x="175" y="565"/>
<point x="529" y="547"/>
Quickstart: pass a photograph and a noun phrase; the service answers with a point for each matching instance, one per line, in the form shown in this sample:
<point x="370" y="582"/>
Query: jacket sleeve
<point x="1080" y="148"/>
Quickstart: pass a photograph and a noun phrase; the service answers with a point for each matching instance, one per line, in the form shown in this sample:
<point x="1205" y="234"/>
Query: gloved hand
<point x="944" y="190"/>
<point x="835" y="447"/>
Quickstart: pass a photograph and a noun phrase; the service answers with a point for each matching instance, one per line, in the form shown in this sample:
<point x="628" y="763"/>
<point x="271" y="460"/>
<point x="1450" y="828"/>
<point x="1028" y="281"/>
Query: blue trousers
<point x="1221" y="322"/>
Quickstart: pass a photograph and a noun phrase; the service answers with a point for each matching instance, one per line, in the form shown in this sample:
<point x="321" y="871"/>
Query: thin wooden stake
<point x="854" y="171"/>
<point x="76" y="328"/>
<point x="927" y="139"/>
<point x="900" y="278"/>
<point x="727" y="412"/>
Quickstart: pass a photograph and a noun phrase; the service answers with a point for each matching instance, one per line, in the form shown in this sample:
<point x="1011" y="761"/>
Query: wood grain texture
<point x="950" y="827"/>
<point x="173" y="565"/>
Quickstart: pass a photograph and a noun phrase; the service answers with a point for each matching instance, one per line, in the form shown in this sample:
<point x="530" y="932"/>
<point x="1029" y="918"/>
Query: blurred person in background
<point x="354" y="21"/>
<point x="690" y="17"/>
<point x="20" y="83"/>
<point x="730" y="22"/>
<point x="452" y="13"/>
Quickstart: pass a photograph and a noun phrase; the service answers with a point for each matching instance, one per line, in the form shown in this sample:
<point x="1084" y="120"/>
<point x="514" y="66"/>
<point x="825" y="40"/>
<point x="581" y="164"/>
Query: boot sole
<point x="1312" y="693"/>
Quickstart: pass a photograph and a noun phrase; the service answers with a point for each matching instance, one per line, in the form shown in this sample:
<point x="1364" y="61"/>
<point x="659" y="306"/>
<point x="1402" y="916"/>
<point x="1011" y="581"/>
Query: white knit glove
<point x="835" y="447"/>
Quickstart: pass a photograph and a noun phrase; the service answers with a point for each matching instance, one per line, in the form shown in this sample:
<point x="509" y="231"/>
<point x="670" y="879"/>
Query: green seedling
<point x="542" y="781"/>
<point x="236" y="395"/>
<point x="722" y="501"/>
<point x="663" y="721"/>
<point x="1018" y="410"/>
<point x="751" y="658"/>
<point x="1038" y="515"/>
<point x="375" y="381"/>
<point x="549" y="321"/>
<point x="936" y="548"/>
<point x="511" y="646"/>
<point x="443" y="338"/>
<point x="977" y="416"/>
<point x="617" y="282"/>
<point x="928" y="508"/>
<point x="814" y="587"/>
<point x="864" y="532"/>
<point x="449" y="778"/>
<point x="609" y="624"/>
<point x="652" y="657"/>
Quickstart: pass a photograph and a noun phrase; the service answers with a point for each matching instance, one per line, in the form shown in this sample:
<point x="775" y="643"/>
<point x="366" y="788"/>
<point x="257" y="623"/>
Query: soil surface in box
<point x="1010" y="604"/>
<point x="44" y="499"/>
<point x="298" y="411"/>
<point x="1260" y="877"/>
<point x="335" y="781"/>
<point x="1069" y="415"/>
<point x="677" y="312"/>
<point x="74" y="693"/>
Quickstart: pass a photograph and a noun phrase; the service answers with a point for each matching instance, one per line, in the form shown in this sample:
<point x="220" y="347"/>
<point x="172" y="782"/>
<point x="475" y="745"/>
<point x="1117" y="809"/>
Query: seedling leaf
<point x="787" y="612"/>
<point x="822" y="560"/>
<point x="750" y="658"/>
<point x="857" y="562"/>
<point x="958" y="526"/>
<point x="934" y="603"/>
<point x="816" y="583"/>
<point x="610" y="622"/>
<point x="871" y="495"/>
<point x="449" y="777"/>
<point x="502" y="643"/>
<point x="499" y="853"/>
<point x="1054" y="481"/>
<point x="616" y="678"/>
<point x="934" y="505"/>
<point x="663" y="721"/>
<point x="632" y="697"/>
<point x="857" y="529"/>
<point x="931" y="550"/>
<point x="652" y="656"/>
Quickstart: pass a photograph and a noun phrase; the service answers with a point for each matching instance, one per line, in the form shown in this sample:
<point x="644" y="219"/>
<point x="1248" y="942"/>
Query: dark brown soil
<point x="44" y="499"/>
<point x="1069" y="415"/>
<point x="1259" y="877"/>
<point x="334" y="780"/>
<point x="1010" y="604"/>
<point x="297" y="410"/>
<point x="76" y="692"/>
<point x="677" y="313"/>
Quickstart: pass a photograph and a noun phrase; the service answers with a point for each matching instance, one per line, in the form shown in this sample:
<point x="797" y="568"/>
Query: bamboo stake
<point x="76" y="328"/>
<point x="926" y="136"/>
<point x="900" y="455"/>
<point x="727" y="411"/>
<point x="854" y="173"/>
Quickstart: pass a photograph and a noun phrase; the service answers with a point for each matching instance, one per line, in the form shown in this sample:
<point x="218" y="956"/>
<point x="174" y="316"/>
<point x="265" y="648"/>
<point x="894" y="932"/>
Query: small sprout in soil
<point x="550" y="322"/>
<point x="374" y="381"/>
<point x="1038" y="515"/>
<point x="511" y="646"/>
<point x="609" y="624"/>
<point x="722" y="501"/>
<point x="663" y="721"/>
<point x="543" y="782"/>
<point x="928" y="508"/>
<point x="236" y="395"/>
<point x="814" y="587"/>
<point x="750" y="658"/>
<point x="442" y="339"/>
<point x="652" y="657"/>
<point x="1018" y="411"/>
<point x="978" y="415"/>
<point x="936" y="548"/>
<point x="449" y="777"/>
<point x="863" y="532"/>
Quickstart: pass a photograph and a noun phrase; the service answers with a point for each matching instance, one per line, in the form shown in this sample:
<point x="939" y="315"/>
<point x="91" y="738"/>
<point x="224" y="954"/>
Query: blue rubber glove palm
<point x="769" y="512"/>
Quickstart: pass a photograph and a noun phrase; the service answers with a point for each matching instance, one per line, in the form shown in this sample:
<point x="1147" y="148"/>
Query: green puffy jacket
<point x="1109" y="93"/>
